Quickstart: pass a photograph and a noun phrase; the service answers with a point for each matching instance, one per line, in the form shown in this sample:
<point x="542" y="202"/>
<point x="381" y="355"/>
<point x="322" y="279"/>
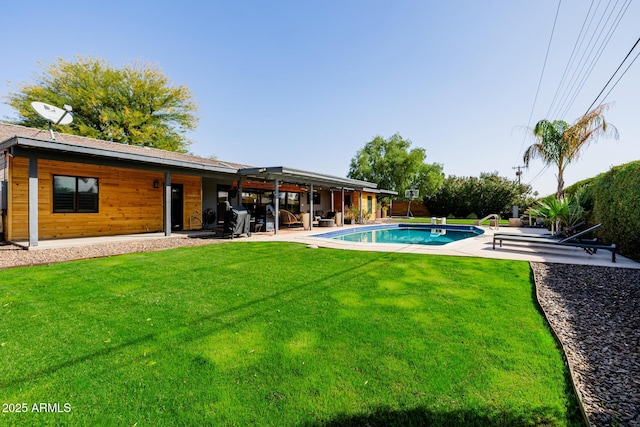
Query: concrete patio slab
<point x="480" y="246"/>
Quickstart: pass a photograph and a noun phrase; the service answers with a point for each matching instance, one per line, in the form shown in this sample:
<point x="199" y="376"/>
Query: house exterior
<point x="76" y="187"/>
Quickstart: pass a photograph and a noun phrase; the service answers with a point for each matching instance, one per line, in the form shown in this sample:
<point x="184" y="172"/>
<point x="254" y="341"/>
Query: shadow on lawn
<point x="209" y="321"/>
<point x="423" y="416"/>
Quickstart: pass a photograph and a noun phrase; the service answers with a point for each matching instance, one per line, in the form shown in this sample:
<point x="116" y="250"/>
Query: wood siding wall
<point x="417" y="208"/>
<point x="355" y="201"/>
<point x="3" y="192"/>
<point x="128" y="201"/>
<point x="363" y="204"/>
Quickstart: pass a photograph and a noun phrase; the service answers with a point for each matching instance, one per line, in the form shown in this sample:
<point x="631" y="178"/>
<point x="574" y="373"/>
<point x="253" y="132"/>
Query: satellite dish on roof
<point x="53" y="115"/>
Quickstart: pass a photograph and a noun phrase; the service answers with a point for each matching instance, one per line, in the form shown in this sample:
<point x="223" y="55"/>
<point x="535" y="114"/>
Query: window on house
<point x="75" y="194"/>
<point x="290" y="201"/>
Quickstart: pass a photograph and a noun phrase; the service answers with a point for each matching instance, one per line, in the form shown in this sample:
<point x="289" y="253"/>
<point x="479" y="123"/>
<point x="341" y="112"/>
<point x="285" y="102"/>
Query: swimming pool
<point x="412" y="234"/>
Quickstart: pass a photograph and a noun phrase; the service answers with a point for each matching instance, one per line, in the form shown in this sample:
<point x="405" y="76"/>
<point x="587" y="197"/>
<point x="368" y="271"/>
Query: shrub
<point x="481" y="196"/>
<point x="616" y="204"/>
<point x="565" y="212"/>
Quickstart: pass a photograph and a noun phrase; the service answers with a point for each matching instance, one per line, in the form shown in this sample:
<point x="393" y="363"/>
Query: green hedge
<point x="616" y="204"/>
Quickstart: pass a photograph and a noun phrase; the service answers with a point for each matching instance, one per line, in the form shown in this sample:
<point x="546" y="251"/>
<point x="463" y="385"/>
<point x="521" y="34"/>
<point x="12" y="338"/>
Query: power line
<point x="539" y="174"/>
<point x="571" y="58"/>
<point x="544" y="65"/>
<point x="581" y="39"/>
<point x="582" y="62"/>
<point x="601" y="50"/>
<point x="614" y="73"/>
<point x="546" y="167"/>
<point x="572" y="90"/>
<point x="625" y="71"/>
<point x="580" y="69"/>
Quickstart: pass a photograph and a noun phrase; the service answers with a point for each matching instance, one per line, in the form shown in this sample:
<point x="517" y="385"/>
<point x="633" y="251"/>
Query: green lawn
<point x="278" y="334"/>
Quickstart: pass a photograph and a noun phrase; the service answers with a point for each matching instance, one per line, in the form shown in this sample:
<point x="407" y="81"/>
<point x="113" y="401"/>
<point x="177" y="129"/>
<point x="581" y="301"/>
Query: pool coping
<point x="363" y="228"/>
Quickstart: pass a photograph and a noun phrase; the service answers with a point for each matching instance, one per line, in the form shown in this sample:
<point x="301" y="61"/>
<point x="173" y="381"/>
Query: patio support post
<point x="239" y="192"/>
<point x="342" y="208"/>
<point x="311" y="207"/>
<point x="276" y="202"/>
<point x="360" y="203"/>
<point x="33" y="201"/>
<point x="167" y="204"/>
<point x="332" y="204"/>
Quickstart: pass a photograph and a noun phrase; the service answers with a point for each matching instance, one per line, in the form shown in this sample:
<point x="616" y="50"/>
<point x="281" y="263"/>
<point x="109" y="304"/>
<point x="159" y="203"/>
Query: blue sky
<point x="307" y="83"/>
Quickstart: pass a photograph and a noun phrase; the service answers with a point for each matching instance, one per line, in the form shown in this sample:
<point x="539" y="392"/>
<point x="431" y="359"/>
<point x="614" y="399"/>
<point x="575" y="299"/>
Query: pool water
<point x="412" y="234"/>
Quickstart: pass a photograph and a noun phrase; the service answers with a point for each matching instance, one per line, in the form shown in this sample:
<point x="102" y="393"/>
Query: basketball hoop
<point x="410" y="194"/>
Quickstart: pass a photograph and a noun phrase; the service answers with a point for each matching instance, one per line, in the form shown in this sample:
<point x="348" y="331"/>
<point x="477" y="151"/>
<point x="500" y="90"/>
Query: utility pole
<point x="519" y="172"/>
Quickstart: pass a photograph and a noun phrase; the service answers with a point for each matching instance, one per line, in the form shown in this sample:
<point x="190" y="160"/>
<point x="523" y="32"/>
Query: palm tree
<point x="551" y="148"/>
<point x="560" y="144"/>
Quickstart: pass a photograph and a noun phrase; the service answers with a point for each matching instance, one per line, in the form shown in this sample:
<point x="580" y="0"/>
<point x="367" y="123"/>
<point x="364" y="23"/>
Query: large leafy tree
<point x="558" y="143"/>
<point x="135" y="104"/>
<point x="393" y="165"/>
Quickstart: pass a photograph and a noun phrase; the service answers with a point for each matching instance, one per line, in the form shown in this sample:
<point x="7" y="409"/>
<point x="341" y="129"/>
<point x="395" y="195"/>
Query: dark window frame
<point x="79" y="202"/>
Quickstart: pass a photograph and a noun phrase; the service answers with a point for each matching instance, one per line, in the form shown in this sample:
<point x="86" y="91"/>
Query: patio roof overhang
<point x="301" y="177"/>
<point x="384" y="192"/>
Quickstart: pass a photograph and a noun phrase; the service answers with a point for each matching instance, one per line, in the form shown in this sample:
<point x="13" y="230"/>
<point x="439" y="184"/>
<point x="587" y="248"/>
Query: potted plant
<point x="351" y="215"/>
<point x="378" y="210"/>
<point x="355" y="214"/>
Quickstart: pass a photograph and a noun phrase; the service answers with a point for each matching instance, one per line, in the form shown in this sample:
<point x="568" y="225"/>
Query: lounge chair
<point x="560" y="235"/>
<point x="590" y="246"/>
<point x="567" y="232"/>
<point x="287" y="218"/>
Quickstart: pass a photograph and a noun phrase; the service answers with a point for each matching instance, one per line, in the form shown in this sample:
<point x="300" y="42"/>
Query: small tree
<point x="134" y="105"/>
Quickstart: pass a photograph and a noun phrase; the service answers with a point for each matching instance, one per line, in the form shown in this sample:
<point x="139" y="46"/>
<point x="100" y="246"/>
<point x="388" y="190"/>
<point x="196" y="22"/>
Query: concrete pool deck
<point x="480" y="246"/>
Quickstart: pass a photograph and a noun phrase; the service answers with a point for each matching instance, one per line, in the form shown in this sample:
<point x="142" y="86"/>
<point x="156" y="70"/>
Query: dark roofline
<point x="28" y="142"/>
<point x="385" y="192"/>
<point x="299" y="176"/>
<point x="24" y="138"/>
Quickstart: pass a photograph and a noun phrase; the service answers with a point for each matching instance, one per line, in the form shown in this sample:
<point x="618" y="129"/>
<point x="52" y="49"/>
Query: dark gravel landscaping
<point x="595" y="312"/>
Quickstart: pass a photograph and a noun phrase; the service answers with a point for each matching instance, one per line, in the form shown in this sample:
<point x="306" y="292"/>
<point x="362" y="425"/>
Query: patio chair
<point x="287" y="218"/>
<point x="591" y="247"/>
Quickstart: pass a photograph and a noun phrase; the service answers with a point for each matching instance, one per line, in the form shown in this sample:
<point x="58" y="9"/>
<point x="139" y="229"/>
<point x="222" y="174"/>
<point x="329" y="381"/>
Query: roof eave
<point x="113" y="154"/>
<point x="302" y="176"/>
